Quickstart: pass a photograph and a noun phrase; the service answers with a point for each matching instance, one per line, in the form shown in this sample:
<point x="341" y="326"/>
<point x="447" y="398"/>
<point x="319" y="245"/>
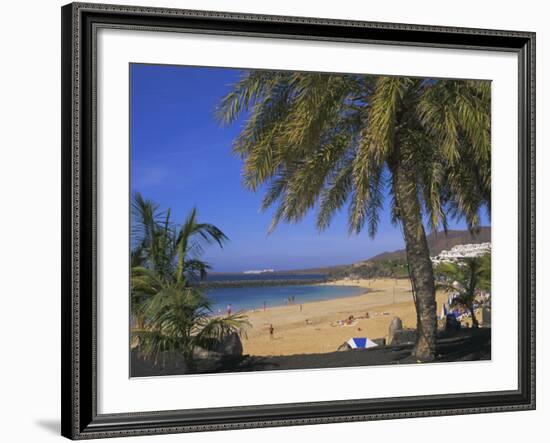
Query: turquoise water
<point x="247" y="298"/>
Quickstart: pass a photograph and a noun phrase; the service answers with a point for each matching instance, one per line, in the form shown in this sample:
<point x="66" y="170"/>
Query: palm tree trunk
<point x="475" y="323"/>
<point x="420" y="264"/>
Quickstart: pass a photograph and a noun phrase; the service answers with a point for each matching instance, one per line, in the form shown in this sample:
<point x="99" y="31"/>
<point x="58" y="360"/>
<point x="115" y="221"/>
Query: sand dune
<point x="314" y="329"/>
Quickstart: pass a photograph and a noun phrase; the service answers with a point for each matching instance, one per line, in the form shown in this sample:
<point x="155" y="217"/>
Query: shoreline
<point x="310" y="337"/>
<point x="361" y="283"/>
<point x="294" y="304"/>
<point x="254" y="306"/>
<point x="318" y="326"/>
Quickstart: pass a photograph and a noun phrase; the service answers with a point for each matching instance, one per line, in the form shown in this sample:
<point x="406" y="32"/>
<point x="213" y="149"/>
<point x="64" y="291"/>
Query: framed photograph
<point x="273" y="221"/>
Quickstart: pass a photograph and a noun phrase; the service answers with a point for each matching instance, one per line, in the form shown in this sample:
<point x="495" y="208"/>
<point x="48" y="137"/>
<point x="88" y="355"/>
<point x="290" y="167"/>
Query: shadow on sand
<point x="467" y="345"/>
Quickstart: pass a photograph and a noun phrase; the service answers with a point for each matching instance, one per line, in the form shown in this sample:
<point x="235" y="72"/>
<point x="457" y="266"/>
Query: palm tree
<point x="172" y="252"/>
<point x="172" y="314"/>
<point x="326" y="140"/>
<point x="178" y="319"/>
<point x="466" y="278"/>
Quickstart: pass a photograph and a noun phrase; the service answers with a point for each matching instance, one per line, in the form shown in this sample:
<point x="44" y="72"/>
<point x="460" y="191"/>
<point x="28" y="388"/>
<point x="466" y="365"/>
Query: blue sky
<point x="181" y="157"/>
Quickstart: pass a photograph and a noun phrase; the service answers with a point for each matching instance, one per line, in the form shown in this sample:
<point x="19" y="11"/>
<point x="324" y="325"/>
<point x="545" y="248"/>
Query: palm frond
<point x="214" y="329"/>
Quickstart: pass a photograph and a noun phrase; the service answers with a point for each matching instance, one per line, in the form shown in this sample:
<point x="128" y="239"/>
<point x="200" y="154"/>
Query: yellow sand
<point x="385" y="299"/>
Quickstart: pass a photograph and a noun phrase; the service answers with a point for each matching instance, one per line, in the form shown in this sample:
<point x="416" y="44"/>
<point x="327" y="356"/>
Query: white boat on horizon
<point x="259" y="271"/>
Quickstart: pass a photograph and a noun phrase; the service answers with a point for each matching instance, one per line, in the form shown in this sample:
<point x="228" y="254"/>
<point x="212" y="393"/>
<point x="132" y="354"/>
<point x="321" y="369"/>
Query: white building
<point x="462" y="251"/>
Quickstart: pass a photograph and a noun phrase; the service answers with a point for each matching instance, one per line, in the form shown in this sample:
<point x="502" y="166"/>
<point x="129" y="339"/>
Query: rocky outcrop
<point x="397" y="335"/>
<point x="202" y="353"/>
<point x="395" y="325"/>
<point x="229" y="346"/>
<point x="344" y="347"/>
<point x="404" y="337"/>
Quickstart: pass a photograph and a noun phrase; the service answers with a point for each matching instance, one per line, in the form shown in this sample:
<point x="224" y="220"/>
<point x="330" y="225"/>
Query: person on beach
<point x="229" y="309"/>
<point x="271" y="331"/>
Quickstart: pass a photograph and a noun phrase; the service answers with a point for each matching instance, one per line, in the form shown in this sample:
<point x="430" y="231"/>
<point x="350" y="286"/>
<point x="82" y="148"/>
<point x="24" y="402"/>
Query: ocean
<point x="264" y="276"/>
<point x="253" y="297"/>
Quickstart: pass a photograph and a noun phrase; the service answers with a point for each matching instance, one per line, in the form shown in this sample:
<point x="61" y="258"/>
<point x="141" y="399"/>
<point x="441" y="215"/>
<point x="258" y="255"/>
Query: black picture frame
<point x="79" y="174"/>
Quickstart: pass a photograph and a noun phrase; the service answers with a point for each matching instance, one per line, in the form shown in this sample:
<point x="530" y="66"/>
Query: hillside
<point x="437" y="242"/>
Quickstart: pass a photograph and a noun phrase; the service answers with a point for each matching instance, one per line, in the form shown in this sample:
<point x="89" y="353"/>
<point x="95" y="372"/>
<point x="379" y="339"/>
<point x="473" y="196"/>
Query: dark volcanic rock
<point x="399" y="336"/>
<point x="230" y="345"/>
<point x="206" y="354"/>
<point x="395" y="325"/>
<point x="403" y="337"/>
<point x="467" y="345"/>
<point x="344" y="347"/>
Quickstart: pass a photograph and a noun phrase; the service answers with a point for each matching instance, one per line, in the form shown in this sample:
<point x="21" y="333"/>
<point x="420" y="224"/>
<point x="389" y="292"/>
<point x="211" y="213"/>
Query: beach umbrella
<point x="361" y="343"/>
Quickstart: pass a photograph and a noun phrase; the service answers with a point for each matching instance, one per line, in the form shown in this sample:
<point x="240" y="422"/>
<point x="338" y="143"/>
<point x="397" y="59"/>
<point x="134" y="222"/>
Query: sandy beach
<point x="314" y="328"/>
<point x="309" y="337"/>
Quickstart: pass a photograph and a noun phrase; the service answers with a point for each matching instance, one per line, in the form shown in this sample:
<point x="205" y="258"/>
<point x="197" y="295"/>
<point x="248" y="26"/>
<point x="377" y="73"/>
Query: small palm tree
<point x="172" y="314"/>
<point x="316" y="140"/>
<point x="172" y="252"/>
<point x="178" y="319"/>
<point x="466" y="278"/>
